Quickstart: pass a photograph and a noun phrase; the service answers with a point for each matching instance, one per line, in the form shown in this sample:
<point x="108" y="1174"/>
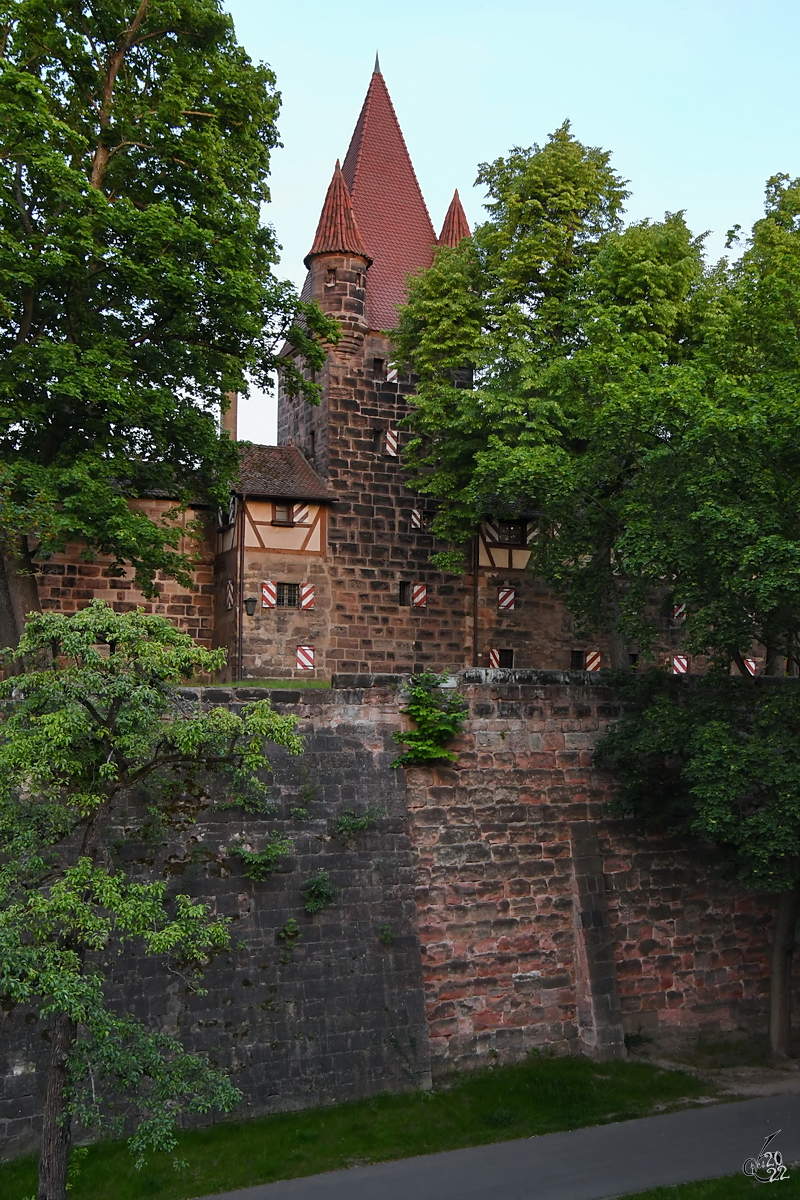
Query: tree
<point x="136" y="282"/>
<point x="636" y="406"/>
<point x="97" y="715"/>
<point x="716" y="759"/>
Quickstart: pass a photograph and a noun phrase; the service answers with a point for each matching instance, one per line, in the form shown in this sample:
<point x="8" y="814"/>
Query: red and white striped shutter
<point x="494" y="658"/>
<point x="492" y="534"/>
<point x="391" y="376"/>
<point x="305" y="658"/>
<point x="593" y="660"/>
<point x="229" y="594"/>
<point x="416" y="519"/>
<point x="306" y="595"/>
<point x="505" y="598"/>
<point x="750" y="663"/>
<point x="679" y="612"/>
<point x="391" y="442"/>
<point x="300" y="514"/>
<point x="419" y="594"/>
<point x="680" y="664"/>
<point x="269" y="593"/>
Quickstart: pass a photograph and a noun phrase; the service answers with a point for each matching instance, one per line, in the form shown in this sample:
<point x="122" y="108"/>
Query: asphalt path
<point x="584" y="1164"/>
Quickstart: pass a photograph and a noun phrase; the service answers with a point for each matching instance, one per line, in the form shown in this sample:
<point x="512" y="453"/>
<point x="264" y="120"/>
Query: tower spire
<point x="387" y="203"/>
<point x="377" y="70"/>
<point x="455" y="227"/>
<point x="337" y="232"/>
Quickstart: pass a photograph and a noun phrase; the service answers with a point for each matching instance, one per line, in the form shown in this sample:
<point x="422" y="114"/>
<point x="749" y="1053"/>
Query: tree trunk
<point x="774" y="661"/>
<point x="780" y="996"/>
<point x="19" y="593"/>
<point x="56" y="1130"/>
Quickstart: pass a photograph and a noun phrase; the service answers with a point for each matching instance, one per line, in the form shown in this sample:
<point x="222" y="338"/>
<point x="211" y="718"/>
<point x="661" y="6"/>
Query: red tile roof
<point x="388" y="205"/>
<point x="280" y="472"/>
<point x="455" y="227"/>
<point x="337" y="230"/>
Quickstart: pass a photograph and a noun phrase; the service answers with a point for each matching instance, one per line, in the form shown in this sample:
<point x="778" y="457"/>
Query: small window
<point x="288" y="595"/>
<point x="379" y="369"/>
<point x="577" y="660"/>
<point x="405" y="593"/>
<point x="282" y="514"/>
<point x="312" y="445"/>
<point x="633" y="660"/>
<point x="506" y="658"/>
<point x="511" y="533"/>
<point x="330" y="278"/>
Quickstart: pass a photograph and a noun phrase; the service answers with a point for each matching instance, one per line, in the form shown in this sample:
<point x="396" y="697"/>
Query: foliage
<point x="94" y="716"/>
<point x="136" y="277"/>
<point x="635" y="406"/>
<point x="544" y="1095"/>
<point x="259" y="864"/>
<point x="290" y="935"/>
<point x="386" y="934"/>
<point x="350" y="822"/>
<point x="717" y="758"/>
<point x="318" y="892"/>
<point x="438" y="717"/>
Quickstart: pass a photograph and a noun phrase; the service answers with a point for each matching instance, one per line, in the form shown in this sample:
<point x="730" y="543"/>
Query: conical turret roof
<point x="337" y="232"/>
<point x="455" y="227"/>
<point x="388" y="205"/>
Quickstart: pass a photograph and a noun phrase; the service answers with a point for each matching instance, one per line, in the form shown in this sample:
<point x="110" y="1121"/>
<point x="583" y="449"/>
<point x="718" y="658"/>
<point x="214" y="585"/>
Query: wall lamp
<point x="250" y="605"/>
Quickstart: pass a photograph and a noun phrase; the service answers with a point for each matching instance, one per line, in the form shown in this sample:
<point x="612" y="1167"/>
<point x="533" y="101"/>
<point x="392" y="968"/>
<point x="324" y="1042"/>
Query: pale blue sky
<point x="698" y="101"/>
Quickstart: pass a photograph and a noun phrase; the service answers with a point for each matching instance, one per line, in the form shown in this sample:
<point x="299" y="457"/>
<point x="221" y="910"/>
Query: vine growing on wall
<point x="438" y="717"/>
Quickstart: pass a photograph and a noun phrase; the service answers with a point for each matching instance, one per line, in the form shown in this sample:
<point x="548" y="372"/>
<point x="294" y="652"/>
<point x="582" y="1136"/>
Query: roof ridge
<point x="337" y="231"/>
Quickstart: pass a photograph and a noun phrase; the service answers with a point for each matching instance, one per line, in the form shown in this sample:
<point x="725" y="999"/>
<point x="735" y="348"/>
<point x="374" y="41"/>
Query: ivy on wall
<point x="438" y="717"/>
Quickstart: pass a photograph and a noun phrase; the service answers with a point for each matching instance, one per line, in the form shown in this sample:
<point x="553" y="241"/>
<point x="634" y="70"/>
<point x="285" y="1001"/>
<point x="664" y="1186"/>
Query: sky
<point x="698" y="101"/>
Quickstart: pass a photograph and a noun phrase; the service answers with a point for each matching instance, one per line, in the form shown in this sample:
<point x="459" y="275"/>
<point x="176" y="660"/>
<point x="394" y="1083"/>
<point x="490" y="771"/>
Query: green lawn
<point x="539" y="1096"/>
<point x="731" y="1187"/>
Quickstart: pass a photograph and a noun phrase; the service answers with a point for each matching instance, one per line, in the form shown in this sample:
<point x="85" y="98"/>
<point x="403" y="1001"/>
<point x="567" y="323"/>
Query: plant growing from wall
<point x="318" y="892"/>
<point x="438" y="716"/>
<point x="717" y="760"/>
<point x="259" y="864"/>
<point x="290" y="935"/>
<point x="96" y="711"/>
<point x="349" y="823"/>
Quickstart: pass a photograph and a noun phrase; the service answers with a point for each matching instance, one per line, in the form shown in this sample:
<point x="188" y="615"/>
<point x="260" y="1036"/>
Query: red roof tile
<point x="455" y="227"/>
<point x="337" y="231"/>
<point x="388" y="205"/>
<point x="280" y="472"/>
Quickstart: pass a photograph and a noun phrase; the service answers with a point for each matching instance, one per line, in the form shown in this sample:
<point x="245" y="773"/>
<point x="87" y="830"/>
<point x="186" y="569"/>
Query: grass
<point x="541" y="1095"/>
<point x="730" y="1187"/>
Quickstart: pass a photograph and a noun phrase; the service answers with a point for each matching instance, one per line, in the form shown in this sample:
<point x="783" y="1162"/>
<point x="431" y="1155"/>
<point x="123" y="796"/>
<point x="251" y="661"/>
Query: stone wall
<point x="338" y="1016"/>
<point x="495" y="908"/>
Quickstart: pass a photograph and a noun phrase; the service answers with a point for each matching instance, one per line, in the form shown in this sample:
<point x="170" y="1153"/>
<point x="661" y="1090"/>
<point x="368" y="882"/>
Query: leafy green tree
<point x="716" y="759"/>
<point x="95" y="715"/>
<point x="136" y="277"/>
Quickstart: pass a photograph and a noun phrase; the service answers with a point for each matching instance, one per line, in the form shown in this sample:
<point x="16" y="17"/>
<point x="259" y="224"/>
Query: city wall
<point x="492" y="908"/>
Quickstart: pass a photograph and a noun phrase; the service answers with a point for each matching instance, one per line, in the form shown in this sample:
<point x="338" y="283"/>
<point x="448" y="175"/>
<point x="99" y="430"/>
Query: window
<point x="511" y="533"/>
<point x="506" y="658"/>
<point x="312" y="444"/>
<point x="282" y="514"/>
<point x="633" y="660"/>
<point x="288" y="595"/>
<point x="405" y="593"/>
<point x="577" y="660"/>
<point x="330" y="278"/>
<point x="379" y="369"/>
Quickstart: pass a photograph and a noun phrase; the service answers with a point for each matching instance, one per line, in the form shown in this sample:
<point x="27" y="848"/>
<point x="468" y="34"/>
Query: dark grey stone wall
<point x="339" y="1016"/>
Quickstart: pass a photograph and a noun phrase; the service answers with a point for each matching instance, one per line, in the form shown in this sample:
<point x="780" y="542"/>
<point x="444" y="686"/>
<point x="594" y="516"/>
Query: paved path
<point x="585" y="1164"/>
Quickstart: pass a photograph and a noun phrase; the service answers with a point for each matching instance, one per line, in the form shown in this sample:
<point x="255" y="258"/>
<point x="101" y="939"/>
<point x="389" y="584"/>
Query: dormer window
<point x="282" y="514"/>
<point x="511" y="533"/>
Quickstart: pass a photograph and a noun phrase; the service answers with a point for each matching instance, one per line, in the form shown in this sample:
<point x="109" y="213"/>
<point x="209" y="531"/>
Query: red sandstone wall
<point x="501" y="937"/>
<point x="67" y="583"/>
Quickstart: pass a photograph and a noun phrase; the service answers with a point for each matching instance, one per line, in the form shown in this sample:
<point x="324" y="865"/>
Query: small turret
<point x="338" y="259"/>
<point x="455" y="227"/>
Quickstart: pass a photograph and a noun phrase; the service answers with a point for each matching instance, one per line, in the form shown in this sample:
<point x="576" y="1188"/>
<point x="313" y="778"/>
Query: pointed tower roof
<point x="337" y="231"/>
<point x="455" y="227"/>
<point x="388" y="205"/>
